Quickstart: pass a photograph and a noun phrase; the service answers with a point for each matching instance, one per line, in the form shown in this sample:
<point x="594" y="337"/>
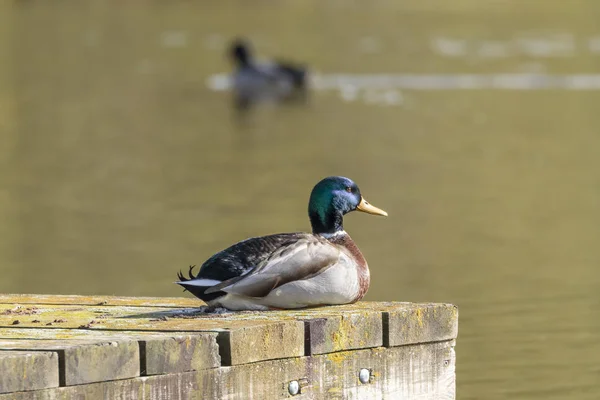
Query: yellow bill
<point x="364" y="206"/>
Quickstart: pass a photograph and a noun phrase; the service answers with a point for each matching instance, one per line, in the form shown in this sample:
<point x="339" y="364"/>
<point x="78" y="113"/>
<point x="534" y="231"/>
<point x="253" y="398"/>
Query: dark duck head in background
<point x="274" y="81"/>
<point x="292" y="270"/>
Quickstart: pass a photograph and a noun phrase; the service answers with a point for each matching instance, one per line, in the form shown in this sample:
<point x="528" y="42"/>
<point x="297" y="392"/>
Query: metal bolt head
<point x="364" y="376"/>
<point x="294" y="388"/>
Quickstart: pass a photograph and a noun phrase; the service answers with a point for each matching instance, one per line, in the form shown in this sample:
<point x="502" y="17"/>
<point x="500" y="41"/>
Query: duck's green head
<point x="333" y="197"/>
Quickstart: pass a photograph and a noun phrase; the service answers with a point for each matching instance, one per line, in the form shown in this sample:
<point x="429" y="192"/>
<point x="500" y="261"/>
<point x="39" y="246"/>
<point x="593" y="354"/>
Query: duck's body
<point x="291" y="270"/>
<point x="275" y="81"/>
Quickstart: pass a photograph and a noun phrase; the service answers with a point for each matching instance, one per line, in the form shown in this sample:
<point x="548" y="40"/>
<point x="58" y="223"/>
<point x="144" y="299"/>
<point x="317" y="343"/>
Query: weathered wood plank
<point x="85" y="361"/>
<point x="128" y="318"/>
<point x="160" y="352"/>
<point x="352" y="330"/>
<point x="21" y="370"/>
<point x="419" y="372"/>
<point x="422" y="324"/>
<point x="179" y="350"/>
<point x="271" y="338"/>
<point x="99" y="300"/>
<point x="327" y="329"/>
<point x="93" y="334"/>
<point x="264" y="342"/>
<point x="168" y="355"/>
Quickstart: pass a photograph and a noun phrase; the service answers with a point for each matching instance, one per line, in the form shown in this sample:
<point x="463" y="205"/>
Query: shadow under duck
<point x="254" y="81"/>
<point x="292" y="270"/>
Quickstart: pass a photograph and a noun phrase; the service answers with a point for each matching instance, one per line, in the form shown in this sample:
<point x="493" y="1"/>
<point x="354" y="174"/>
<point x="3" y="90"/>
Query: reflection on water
<point x="120" y="166"/>
<point x="383" y="89"/>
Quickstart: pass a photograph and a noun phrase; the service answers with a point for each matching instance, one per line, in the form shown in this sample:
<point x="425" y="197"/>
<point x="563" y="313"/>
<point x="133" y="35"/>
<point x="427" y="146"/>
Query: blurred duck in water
<point x="264" y="81"/>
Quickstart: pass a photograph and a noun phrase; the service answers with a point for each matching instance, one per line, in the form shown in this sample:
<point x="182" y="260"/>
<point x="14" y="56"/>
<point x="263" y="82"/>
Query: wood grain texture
<point x="86" y="361"/>
<point x="419" y="372"/>
<point x="22" y="370"/>
<point x="128" y="348"/>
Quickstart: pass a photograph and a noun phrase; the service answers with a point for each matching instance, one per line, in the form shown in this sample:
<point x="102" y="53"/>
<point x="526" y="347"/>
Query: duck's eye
<point x="349" y="189"/>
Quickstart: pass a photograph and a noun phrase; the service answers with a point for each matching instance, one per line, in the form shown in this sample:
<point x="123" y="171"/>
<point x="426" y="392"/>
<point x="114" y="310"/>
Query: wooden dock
<point x="77" y="347"/>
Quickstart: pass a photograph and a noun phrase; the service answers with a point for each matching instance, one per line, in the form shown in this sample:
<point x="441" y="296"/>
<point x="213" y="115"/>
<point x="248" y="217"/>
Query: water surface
<point x="121" y="163"/>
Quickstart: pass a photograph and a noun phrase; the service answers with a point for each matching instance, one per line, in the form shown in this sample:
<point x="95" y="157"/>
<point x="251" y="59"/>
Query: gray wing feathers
<point x="301" y="260"/>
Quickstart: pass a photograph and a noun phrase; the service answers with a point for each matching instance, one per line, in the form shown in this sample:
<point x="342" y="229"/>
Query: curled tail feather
<point x="182" y="278"/>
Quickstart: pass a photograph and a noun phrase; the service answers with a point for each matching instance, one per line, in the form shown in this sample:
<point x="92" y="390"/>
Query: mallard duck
<point x="292" y="270"/>
<point x="253" y="81"/>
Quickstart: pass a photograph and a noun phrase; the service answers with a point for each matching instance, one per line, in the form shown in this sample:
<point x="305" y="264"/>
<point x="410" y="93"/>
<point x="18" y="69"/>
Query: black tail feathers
<point x="182" y="278"/>
<point x="197" y="291"/>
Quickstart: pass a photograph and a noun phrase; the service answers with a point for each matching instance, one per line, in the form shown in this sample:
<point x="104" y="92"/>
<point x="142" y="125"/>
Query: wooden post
<point x="153" y="348"/>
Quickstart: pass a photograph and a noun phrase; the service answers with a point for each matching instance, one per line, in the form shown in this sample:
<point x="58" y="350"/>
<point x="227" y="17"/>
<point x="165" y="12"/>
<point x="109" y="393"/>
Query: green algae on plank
<point x="129" y="318"/>
<point x="351" y="330"/>
<point x="99" y="300"/>
<point x="428" y="323"/>
<point x="326" y="329"/>
<point x="240" y="341"/>
<point x="184" y="319"/>
<point x="68" y="334"/>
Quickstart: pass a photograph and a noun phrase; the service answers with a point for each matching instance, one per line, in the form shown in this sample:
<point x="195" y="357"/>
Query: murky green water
<point x="119" y="165"/>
